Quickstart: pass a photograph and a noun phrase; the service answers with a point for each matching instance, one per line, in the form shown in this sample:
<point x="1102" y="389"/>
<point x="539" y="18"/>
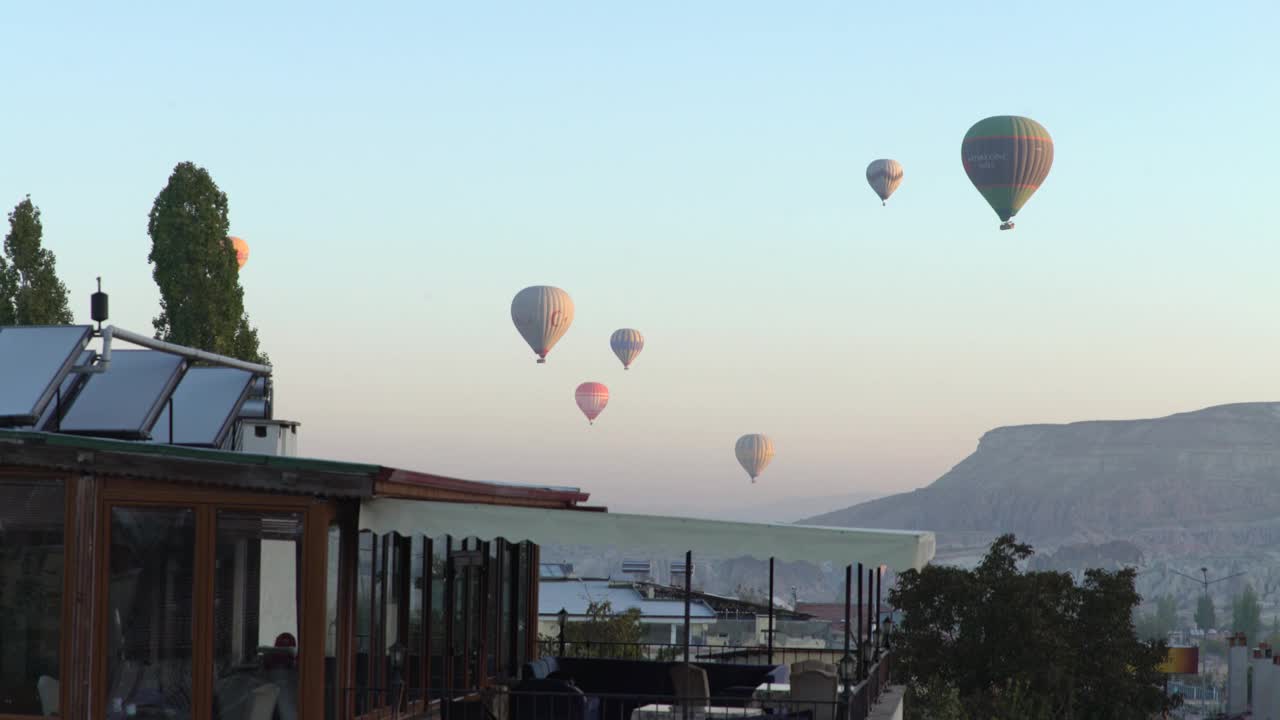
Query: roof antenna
<point x="98" y="306"/>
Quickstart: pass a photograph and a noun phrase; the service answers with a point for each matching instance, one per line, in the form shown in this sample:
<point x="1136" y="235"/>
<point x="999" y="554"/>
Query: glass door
<point x="256" y="603"/>
<point x="201" y="606"/>
<point x="150" y="613"/>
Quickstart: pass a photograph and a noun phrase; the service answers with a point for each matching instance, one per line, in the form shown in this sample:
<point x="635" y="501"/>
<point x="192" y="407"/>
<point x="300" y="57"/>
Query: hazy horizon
<point x="400" y="171"/>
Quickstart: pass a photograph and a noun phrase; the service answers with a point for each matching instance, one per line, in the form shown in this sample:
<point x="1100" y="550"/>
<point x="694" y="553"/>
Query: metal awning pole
<point x="858" y="666"/>
<point x="879" y="625"/>
<point x="771" y="611"/>
<point x="870" y="582"/>
<point x="848" y="606"/>
<point x="688" y="588"/>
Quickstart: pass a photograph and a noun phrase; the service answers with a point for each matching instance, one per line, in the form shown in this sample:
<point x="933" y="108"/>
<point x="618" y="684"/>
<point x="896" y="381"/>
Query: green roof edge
<point x="189" y="453"/>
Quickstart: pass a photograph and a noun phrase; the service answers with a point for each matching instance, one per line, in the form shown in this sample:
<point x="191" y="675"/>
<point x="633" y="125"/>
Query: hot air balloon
<point x="754" y="453"/>
<point x="884" y="176"/>
<point x="242" y="250"/>
<point x="1007" y="158"/>
<point x="626" y="344"/>
<point x="542" y="314"/>
<point x="591" y="397"/>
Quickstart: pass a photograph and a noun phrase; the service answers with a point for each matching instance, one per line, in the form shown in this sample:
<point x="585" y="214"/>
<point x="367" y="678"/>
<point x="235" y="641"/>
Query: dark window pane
<point x="364" y="605"/>
<point x="31" y="556"/>
<point x="255" y="607"/>
<point x="332" y="698"/>
<point x="525" y="557"/>
<point x="149" y="612"/>
<point x="417" y="630"/>
<point x="439" y="558"/>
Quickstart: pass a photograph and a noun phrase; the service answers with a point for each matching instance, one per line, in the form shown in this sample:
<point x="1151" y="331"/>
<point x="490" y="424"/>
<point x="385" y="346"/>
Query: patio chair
<point x="691" y="685"/>
<point x="812" y="664"/>
<point x="815" y="690"/>
<point x="47" y="688"/>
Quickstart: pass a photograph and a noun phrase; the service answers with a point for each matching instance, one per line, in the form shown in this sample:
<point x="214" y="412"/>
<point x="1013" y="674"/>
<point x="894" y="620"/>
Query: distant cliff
<point x="1194" y="487"/>
<point x="1103" y="479"/>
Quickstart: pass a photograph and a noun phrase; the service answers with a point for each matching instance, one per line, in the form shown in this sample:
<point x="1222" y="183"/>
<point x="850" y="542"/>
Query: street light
<point x="396" y="654"/>
<point x="563" y="617"/>
<point x="1205" y="582"/>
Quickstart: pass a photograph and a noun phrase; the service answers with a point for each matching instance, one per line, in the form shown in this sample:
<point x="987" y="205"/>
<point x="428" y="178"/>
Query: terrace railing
<point x="501" y="702"/>
<point x="698" y="652"/>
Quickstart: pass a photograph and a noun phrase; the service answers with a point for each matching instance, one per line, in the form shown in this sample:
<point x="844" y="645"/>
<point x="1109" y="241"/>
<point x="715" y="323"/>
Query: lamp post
<point x="396" y="653"/>
<point x="1205" y="582"/>
<point x="563" y="617"/>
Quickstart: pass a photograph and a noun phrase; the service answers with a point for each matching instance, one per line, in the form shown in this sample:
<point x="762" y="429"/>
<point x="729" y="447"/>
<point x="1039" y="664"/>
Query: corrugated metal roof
<point x="575" y="596"/>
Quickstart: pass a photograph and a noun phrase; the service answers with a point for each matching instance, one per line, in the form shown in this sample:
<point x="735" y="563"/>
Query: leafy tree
<point x="201" y="300"/>
<point x="8" y="289"/>
<point x="30" y="291"/>
<point x="1206" y="614"/>
<point x="1027" y="644"/>
<point x="1158" y="625"/>
<point x="605" y="633"/>
<point x="1246" y="613"/>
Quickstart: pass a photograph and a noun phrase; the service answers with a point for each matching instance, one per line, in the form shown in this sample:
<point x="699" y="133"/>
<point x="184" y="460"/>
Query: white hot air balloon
<point x="626" y="344"/>
<point x="754" y="453"/>
<point x="542" y="314"/>
<point x="591" y="398"/>
<point x="884" y="176"/>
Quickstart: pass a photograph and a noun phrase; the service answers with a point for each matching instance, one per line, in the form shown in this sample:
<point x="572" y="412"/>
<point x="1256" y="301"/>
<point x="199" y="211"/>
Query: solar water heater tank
<point x="268" y="437"/>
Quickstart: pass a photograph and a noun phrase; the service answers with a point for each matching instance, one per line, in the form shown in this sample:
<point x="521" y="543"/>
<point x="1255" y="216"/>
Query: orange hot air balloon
<point x="242" y="250"/>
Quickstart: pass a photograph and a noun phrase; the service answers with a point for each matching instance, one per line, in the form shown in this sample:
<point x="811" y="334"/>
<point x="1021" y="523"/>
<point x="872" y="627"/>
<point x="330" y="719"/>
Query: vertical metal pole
<point x="57" y="412"/>
<point x="848" y="622"/>
<point x="857" y="673"/>
<point x="771" y="611"/>
<point x="171" y="420"/>
<point x="870" y="583"/>
<point x="688" y="588"/>
<point x="879" y="626"/>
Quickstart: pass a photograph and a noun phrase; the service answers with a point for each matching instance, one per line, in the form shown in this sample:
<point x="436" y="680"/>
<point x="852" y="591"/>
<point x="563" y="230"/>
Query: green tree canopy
<point x="30" y="291"/>
<point x="1158" y="625"/>
<point x="201" y="300"/>
<point x="1246" y="613"/>
<point x="1027" y="644"/>
<point x="605" y="633"/>
<point x="1206" y="614"/>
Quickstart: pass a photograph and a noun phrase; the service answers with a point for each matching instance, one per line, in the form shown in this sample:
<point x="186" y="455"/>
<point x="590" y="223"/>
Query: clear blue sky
<point x="694" y="170"/>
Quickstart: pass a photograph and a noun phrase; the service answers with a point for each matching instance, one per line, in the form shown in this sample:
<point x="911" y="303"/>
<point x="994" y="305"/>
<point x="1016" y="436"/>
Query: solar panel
<point x="124" y="401"/>
<point x="33" y="360"/>
<point x="205" y="406"/>
<point x="66" y="393"/>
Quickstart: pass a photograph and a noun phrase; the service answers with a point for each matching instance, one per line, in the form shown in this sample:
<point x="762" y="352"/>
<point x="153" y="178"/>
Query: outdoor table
<point x="676" y="712"/>
<point x="778" y="691"/>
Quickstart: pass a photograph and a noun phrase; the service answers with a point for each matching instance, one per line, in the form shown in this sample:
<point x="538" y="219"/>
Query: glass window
<point x="439" y="562"/>
<point x="417" y="620"/>
<point x="332" y="697"/>
<point x="506" y="617"/>
<point x="525" y="557"/>
<point x="364" y="618"/>
<point x="257" y="578"/>
<point x="149" y="612"/>
<point x="493" y="608"/>
<point x="31" y="557"/>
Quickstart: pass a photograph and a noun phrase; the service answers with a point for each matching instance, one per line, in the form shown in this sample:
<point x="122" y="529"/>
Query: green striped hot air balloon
<point x="1007" y="158"/>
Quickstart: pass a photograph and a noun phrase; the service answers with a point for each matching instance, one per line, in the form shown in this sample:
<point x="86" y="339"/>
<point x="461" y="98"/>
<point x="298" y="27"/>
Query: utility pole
<point x="1205" y="582"/>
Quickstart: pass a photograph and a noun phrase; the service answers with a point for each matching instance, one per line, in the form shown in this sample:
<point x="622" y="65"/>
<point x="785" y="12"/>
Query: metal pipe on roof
<point x="189" y="353"/>
<point x="104" y="357"/>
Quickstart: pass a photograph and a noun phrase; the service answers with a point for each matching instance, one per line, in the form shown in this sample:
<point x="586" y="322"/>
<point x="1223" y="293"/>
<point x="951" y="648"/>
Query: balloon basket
<point x="1006" y="226"/>
<point x="542" y="361"/>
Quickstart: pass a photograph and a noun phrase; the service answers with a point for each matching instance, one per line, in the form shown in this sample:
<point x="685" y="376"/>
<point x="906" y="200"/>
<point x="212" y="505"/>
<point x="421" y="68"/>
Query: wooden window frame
<point x="317" y="515"/>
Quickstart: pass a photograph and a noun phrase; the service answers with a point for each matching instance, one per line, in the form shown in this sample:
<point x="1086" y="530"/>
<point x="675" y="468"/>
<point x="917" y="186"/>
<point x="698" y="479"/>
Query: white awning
<point x="898" y="549"/>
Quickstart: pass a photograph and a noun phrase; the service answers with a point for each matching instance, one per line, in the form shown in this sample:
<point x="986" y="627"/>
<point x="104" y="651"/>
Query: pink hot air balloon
<point x="591" y="397"/>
